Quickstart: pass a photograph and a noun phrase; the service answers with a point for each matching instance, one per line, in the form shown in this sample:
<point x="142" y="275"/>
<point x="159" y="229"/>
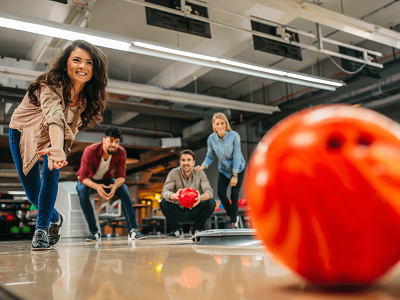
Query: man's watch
<point x="235" y="175"/>
<point x="201" y="198"/>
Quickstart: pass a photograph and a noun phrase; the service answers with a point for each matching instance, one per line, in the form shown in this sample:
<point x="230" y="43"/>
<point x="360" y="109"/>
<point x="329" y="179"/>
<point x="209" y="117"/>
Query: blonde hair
<point x="223" y="117"/>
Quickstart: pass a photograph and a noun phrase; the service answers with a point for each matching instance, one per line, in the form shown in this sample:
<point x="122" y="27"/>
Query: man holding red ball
<point x="175" y="188"/>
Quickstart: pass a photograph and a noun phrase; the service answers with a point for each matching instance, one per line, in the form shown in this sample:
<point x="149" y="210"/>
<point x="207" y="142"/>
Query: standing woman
<point x="69" y="95"/>
<point x="225" y="143"/>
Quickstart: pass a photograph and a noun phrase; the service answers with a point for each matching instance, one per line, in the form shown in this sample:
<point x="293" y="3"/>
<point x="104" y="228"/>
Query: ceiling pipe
<point x="132" y="130"/>
<point x="269" y="36"/>
<point x="154" y="92"/>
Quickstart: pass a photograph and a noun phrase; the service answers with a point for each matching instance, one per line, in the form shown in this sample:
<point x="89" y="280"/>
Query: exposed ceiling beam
<point x="162" y="110"/>
<point x="142" y="142"/>
<point x="155" y="156"/>
<point x="121" y="117"/>
<point x="147" y="91"/>
<point x="143" y="90"/>
<point x="383" y="102"/>
<point x="350" y="25"/>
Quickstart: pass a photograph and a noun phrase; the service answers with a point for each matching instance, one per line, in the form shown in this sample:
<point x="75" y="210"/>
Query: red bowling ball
<point x="10" y="217"/>
<point x="187" y="197"/>
<point x="324" y="190"/>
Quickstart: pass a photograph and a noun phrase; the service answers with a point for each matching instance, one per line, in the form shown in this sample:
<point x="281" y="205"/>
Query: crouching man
<point x="96" y="174"/>
<point x="180" y="178"/>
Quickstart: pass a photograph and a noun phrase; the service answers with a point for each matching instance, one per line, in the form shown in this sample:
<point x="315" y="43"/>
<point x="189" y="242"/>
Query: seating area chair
<point x="32" y="215"/>
<point x="109" y="212"/>
<point x="158" y="217"/>
<point x="110" y="215"/>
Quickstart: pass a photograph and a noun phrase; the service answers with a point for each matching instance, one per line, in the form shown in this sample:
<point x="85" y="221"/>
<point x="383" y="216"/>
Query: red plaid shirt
<point x="91" y="159"/>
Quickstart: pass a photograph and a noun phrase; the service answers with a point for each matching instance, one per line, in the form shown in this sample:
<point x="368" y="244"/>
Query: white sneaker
<point x="237" y="224"/>
<point x="177" y="233"/>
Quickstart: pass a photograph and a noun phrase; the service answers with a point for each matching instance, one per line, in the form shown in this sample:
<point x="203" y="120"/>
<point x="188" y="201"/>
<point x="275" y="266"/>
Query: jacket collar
<point x="225" y="136"/>
<point x="99" y="147"/>
<point x="183" y="174"/>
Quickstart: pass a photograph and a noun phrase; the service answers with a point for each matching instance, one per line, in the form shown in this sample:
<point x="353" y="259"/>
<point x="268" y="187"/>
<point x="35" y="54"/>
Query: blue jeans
<point x="176" y="216"/>
<point x="122" y="192"/>
<point x="42" y="193"/>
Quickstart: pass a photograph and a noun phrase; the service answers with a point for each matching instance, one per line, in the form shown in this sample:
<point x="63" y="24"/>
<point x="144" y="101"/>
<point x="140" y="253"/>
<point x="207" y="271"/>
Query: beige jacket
<point x="33" y="122"/>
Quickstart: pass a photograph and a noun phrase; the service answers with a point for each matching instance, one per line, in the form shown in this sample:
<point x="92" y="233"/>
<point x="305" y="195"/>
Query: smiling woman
<point x="79" y="69"/>
<point x="225" y="143"/>
<point x="70" y="95"/>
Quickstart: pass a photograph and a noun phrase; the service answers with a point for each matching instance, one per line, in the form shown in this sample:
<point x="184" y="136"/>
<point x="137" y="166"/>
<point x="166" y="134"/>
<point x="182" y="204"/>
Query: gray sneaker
<point x="54" y="233"/>
<point x="40" y="241"/>
<point x="136" y="235"/>
<point x="94" y="237"/>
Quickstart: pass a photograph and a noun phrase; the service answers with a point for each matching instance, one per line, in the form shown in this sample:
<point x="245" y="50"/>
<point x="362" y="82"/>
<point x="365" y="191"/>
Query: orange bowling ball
<point x="324" y="190"/>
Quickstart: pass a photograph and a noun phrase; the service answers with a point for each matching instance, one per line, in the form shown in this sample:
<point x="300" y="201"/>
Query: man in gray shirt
<point x="180" y="178"/>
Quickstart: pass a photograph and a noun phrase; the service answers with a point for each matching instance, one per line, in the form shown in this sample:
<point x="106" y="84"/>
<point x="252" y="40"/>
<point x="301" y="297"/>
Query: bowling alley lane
<point x="160" y="268"/>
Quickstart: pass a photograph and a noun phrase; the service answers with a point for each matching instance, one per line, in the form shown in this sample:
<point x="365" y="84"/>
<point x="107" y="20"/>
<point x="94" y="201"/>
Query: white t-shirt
<point x="103" y="168"/>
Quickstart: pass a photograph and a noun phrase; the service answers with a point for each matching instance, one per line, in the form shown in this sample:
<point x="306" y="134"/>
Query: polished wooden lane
<point x="161" y="268"/>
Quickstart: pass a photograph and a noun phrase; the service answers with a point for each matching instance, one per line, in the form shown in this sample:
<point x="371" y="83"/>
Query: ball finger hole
<point x="335" y="141"/>
<point x="364" y="140"/>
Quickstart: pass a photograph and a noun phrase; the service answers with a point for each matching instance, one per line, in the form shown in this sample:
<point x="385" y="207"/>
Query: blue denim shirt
<point x="228" y="151"/>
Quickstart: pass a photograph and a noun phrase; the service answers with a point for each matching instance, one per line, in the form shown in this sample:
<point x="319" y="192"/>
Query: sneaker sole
<point x="141" y="238"/>
<point x="95" y="241"/>
<point x="40" y="249"/>
<point x="56" y="243"/>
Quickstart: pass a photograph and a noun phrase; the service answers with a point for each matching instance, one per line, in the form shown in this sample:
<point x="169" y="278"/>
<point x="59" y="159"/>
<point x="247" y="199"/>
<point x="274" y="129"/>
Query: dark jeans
<point x="223" y="183"/>
<point x="176" y="216"/>
<point x="42" y="193"/>
<point x="122" y="192"/>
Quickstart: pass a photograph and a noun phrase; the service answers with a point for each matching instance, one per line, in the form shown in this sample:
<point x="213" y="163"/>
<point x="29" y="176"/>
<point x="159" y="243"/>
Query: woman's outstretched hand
<point x="55" y="156"/>
<point x="199" y="168"/>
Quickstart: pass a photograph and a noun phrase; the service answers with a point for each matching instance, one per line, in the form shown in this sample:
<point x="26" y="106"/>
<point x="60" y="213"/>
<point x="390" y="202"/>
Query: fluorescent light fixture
<point x="63" y="34"/>
<point x="49" y="28"/>
<point x="174" y="51"/>
<point x="251" y="67"/>
<point x="313" y="79"/>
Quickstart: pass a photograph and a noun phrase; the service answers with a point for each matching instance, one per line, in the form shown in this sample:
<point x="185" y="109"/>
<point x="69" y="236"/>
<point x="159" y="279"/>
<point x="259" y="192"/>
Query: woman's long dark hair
<point x="93" y="94"/>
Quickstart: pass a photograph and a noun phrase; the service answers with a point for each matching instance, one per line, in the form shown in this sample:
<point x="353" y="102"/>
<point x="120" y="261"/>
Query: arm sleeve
<point x="121" y="165"/>
<point x="210" y="154"/>
<point x="50" y="103"/>
<point x="169" y="187"/>
<point x="237" y="154"/>
<point x="205" y="184"/>
<point x="86" y="165"/>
